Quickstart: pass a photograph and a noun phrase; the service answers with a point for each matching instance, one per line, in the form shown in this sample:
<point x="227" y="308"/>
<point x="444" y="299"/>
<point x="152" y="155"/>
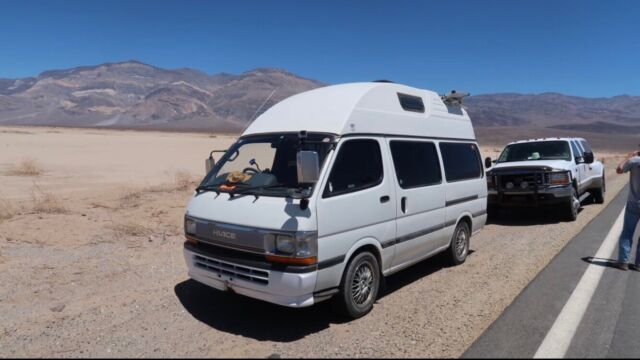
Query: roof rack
<point x="454" y="97"/>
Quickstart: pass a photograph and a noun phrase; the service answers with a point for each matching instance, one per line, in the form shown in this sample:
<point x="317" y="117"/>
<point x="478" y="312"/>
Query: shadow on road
<point x="526" y="216"/>
<point x="610" y="263"/>
<point x="260" y="320"/>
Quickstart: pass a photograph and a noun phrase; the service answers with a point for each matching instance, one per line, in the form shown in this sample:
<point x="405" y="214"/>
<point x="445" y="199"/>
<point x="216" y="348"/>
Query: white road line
<point x="558" y="339"/>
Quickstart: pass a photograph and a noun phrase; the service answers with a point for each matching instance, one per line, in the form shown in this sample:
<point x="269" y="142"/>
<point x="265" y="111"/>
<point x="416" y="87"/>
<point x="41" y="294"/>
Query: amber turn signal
<point x="292" y="261"/>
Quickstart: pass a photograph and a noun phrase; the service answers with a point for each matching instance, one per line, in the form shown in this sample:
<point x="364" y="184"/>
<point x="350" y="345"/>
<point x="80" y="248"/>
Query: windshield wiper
<point x="205" y="188"/>
<point x="247" y="189"/>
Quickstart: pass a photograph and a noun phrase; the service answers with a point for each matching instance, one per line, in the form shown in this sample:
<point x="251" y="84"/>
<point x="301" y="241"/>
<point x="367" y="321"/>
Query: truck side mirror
<point x="308" y="167"/>
<point x="487" y="162"/>
<point x="588" y="157"/>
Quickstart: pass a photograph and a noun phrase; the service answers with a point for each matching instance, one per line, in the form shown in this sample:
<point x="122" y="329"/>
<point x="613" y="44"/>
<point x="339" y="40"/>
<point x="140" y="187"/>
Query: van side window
<point x="358" y="166"/>
<point x="411" y="102"/>
<point x="416" y="163"/>
<point x="461" y="161"/>
<point x="586" y="146"/>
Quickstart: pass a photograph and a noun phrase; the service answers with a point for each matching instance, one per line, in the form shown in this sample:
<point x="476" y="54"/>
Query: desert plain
<point x="91" y="262"/>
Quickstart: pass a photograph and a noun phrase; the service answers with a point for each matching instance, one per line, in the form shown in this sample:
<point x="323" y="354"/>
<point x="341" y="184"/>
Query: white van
<point x="331" y="189"/>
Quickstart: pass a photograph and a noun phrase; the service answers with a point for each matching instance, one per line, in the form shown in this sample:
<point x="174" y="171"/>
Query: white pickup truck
<point x="559" y="172"/>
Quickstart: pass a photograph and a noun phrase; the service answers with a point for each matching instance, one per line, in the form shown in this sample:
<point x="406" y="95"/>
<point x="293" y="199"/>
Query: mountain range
<point x="132" y="94"/>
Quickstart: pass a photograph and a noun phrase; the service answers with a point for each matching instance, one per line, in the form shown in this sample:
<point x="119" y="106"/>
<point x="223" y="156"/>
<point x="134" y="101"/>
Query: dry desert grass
<point x="27" y="167"/>
<point x="46" y="202"/>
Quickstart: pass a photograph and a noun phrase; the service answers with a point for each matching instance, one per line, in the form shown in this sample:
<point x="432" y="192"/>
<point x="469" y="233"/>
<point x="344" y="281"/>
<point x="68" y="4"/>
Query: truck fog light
<point x="524" y="185"/>
<point x="509" y="185"/>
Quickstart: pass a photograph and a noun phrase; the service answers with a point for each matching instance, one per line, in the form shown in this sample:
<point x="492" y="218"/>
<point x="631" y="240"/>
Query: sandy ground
<point x="91" y="263"/>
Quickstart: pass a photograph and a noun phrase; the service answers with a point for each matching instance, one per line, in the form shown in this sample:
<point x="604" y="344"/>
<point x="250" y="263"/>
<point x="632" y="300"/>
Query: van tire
<point x="361" y="274"/>
<point x="598" y="194"/>
<point x="570" y="209"/>
<point x="460" y="243"/>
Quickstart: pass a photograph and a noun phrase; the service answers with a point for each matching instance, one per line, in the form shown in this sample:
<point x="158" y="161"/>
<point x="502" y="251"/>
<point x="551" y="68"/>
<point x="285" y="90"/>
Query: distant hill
<point x="132" y="94"/>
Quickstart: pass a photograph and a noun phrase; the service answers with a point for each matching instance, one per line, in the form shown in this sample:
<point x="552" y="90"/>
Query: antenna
<point x="454" y="98"/>
<point x="255" y="114"/>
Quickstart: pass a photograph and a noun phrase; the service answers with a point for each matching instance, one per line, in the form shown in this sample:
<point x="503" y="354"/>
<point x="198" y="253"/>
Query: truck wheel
<point x="459" y="247"/>
<point x="598" y="194"/>
<point x="572" y="206"/>
<point x="359" y="286"/>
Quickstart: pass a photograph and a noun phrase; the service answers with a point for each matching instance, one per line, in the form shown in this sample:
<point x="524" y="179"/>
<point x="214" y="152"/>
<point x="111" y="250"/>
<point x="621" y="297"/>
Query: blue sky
<point x="586" y="48"/>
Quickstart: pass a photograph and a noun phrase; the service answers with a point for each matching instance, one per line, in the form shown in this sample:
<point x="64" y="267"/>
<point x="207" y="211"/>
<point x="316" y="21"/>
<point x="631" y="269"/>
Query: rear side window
<point x="411" y="102"/>
<point x="358" y="166"/>
<point x="416" y="163"/>
<point x="461" y="161"/>
<point x="576" y="149"/>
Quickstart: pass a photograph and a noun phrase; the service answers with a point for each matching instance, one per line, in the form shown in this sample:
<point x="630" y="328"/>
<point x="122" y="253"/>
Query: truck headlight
<point x="560" y="178"/>
<point x="189" y="226"/>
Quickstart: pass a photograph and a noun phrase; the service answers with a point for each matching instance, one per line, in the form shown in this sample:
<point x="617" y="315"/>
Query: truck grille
<point x="235" y="271"/>
<point x="525" y="181"/>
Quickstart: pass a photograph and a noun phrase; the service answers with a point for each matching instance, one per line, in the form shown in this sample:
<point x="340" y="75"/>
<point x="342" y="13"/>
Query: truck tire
<point x="598" y="194"/>
<point x="359" y="286"/>
<point x="572" y="206"/>
<point x="459" y="247"/>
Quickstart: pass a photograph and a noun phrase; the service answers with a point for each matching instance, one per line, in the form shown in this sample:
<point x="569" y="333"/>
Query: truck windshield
<point x="265" y="164"/>
<point x="537" y="150"/>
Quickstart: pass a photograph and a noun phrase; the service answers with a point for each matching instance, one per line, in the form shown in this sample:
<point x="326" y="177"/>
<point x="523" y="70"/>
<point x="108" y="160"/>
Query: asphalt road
<point x="578" y="306"/>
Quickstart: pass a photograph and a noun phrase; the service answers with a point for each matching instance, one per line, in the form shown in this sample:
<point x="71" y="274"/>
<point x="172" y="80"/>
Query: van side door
<point x="466" y="187"/>
<point x="420" y="199"/>
<point x="356" y="203"/>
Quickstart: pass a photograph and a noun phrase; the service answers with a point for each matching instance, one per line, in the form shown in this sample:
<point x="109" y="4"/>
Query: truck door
<point x="420" y="199"/>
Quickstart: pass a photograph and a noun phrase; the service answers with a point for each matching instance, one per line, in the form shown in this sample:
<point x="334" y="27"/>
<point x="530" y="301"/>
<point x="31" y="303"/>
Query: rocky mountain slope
<point x="134" y="94"/>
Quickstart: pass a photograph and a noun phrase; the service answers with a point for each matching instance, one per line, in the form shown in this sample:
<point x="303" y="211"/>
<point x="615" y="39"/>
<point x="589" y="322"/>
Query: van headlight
<point x="285" y="244"/>
<point x="189" y="226"/>
<point x="302" y="244"/>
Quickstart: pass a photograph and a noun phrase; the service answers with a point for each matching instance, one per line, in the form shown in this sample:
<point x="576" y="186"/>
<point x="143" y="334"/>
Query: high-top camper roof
<point x="366" y="108"/>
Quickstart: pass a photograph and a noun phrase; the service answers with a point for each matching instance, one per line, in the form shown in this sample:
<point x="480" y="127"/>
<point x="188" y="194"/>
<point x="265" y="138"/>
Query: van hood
<point x="264" y="212"/>
<point x="533" y="164"/>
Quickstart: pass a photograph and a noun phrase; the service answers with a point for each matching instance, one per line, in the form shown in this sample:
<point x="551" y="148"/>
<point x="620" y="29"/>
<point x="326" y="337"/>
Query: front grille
<point x="530" y="181"/>
<point x="235" y="271"/>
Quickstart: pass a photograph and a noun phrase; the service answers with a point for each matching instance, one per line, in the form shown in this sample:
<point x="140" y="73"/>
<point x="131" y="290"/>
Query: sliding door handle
<point x="403" y="204"/>
<point x="384" y="199"/>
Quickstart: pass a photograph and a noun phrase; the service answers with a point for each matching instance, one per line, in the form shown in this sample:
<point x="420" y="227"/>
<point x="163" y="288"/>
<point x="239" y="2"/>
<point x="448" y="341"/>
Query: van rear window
<point x="461" y="161"/>
<point x="411" y="103"/>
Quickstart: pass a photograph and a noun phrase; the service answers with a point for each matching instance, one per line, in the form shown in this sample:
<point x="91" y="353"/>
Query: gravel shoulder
<point x="91" y="264"/>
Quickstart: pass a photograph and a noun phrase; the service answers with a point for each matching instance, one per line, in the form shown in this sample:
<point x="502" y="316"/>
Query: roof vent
<point x="454" y="98"/>
<point x="384" y="81"/>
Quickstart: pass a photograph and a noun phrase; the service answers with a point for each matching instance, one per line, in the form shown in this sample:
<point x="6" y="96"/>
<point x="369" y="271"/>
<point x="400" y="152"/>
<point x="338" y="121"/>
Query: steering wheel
<point x="249" y="170"/>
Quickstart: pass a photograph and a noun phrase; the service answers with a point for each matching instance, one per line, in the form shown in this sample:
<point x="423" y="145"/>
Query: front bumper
<point x="278" y="287"/>
<point x="531" y="198"/>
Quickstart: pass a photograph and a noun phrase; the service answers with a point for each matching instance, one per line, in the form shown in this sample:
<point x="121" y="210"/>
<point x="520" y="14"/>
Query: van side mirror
<point x="209" y="163"/>
<point x="580" y="160"/>
<point x="487" y="162"/>
<point x="308" y="167"/>
<point x="588" y="157"/>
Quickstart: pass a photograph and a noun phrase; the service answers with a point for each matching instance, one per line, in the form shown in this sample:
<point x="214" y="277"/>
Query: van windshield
<point x="265" y="164"/>
<point x="537" y="150"/>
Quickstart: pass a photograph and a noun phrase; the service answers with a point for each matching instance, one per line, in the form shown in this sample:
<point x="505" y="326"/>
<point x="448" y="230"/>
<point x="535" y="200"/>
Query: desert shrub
<point x="27" y="167"/>
<point x="46" y="202"/>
